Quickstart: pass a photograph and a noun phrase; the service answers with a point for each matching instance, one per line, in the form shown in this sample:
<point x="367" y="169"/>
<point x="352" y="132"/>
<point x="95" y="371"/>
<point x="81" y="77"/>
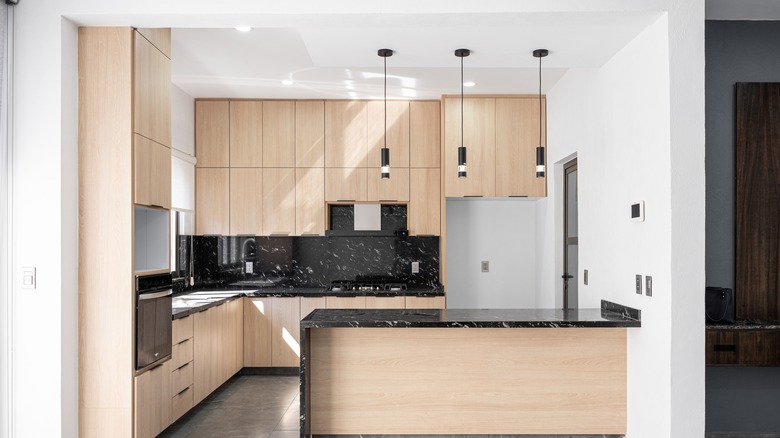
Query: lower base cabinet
<point x="425" y="302"/>
<point x="152" y="401"/>
<point x="743" y="347"/>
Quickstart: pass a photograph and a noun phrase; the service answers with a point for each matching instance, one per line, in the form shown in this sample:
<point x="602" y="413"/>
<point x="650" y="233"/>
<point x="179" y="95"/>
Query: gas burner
<point x="340" y="286"/>
<point x="395" y="286"/>
<point x="366" y="287"/>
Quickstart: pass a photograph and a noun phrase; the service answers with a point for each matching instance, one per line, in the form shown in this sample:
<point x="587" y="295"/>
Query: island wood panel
<point x="425" y="302"/>
<point x="212" y="133"/>
<point x="453" y="381"/>
<point x="395" y="188"/>
<point x="397" y="132"/>
<point x="212" y="197"/>
<point x="105" y="256"/>
<point x="758" y="202"/>
<point x="257" y="332"/>
<point x="517" y="136"/>
<point x="279" y="201"/>
<point x="309" y="200"/>
<point x="424" y="134"/>
<point x="279" y="133"/>
<point x="246" y="133"/>
<point x="424" y="202"/>
<point x="160" y="37"/>
<point x="246" y="201"/>
<point x="479" y="137"/>
<point x="310" y="133"/>
<point x="346" y="302"/>
<point x="152" y="92"/>
<point x="346" y="133"/>
<point x="310" y="304"/>
<point x="346" y="184"/>
<point x="285" y="332"/>
<point x="385" y="302"/>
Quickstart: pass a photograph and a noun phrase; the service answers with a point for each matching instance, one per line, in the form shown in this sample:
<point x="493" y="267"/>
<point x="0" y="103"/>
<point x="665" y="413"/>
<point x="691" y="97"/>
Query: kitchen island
<point x="454" y="372"/>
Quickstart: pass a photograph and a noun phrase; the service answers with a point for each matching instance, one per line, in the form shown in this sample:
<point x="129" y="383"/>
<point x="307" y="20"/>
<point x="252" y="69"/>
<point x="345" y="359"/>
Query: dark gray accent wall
<point x="736" y="51"/>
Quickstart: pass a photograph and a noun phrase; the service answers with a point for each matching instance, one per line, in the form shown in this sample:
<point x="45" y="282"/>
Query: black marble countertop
<point x="745" y="325"/>
<point x="606" y="317"/>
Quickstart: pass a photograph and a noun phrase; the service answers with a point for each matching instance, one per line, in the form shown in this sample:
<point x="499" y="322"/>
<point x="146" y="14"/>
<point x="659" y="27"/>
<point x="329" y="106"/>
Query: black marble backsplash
<point x="314" y="261"/>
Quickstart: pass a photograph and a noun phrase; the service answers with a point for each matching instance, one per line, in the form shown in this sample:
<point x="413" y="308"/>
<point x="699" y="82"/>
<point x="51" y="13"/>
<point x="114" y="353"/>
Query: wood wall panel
<point x="310" y="133"/>
<point x="212" y="133"/>
<point x="517" y="135"/>
<point x="279" y="133"/>
<point x="212" y="197"/>
<point x="246" y="201"/>
<point x="246" y="133"/>
<point x="346" y="133"/>
<point x="424" y="134"/>
<point x="397" y="132"/>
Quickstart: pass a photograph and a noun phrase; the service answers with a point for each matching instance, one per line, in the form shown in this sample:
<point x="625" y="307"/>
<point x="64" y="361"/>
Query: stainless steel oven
<point x="152" y="319"/>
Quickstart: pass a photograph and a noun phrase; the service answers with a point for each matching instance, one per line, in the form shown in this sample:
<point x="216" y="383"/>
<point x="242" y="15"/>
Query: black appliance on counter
<point x="367" y="285"/>
<point x="153" y="338"/>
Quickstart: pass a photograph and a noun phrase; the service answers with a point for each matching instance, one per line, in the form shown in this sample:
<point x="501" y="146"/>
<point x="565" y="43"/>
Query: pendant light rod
<point x="461" y="53"/>
<point x="540" y="53"/>
<point x="385" y="153"/>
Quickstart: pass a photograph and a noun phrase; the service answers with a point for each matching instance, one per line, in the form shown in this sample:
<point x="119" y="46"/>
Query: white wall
<point x="501" y="232"/>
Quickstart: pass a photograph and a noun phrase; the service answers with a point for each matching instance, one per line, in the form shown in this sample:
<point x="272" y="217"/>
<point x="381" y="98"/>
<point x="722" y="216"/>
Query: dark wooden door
<point x="758" y="201"/>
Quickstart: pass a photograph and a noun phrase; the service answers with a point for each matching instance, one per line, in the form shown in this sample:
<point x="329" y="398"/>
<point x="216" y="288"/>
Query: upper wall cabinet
<point x="517" y="135"/>
<point x="310" y="133"/>
<point x="153" y="88"/>
<point x="479" y="137"/>
<point x="346" y="133"/>
<point x="160" y="37"/>
<point x="278" y="133"/>
<point x="397" y="132"/>
<point x="212" y="133"/>
<point x="424" y="134"/>
<point x="212" y="195"/>
<point x="151" y="173"/>
<point x="246" y="133"/>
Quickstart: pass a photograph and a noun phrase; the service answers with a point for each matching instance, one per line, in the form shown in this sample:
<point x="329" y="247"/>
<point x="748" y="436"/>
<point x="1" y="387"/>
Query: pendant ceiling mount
<point x="385" y="152"/>
<point x="540" y="53"/>
<point x="461" y="53"/>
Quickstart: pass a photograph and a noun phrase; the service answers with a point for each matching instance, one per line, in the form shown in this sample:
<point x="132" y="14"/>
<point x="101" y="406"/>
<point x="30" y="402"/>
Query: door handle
<point x="566" y="276"/>
<point x="151" y="296"/>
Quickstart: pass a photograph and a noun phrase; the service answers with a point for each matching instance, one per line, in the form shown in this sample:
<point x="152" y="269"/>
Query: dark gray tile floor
<point x="245" y="406"/>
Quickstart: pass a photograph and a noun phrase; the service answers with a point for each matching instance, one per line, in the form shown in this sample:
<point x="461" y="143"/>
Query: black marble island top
<point x="608" y="316"/>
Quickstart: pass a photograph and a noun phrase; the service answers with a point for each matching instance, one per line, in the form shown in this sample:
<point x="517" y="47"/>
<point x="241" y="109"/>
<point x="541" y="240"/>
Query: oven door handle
<point x="154" y="295"/>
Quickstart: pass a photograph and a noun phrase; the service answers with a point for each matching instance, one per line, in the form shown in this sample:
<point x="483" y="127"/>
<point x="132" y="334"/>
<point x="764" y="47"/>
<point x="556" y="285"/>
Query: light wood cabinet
<point x="279" y="201"/>
<point x="236" y="327"/>
<point x="424" y="215"/>
<point x="517" y="136"/>
<point x="397" y="132"/>
<point x="212" y="133"/>
<point x="346" y="133"/>
<point x="152" y="401"/>
<point x="246" y="201"/>
<point x="257" y="332"/>
<point x="346" y="184"/>
<point x="310" y="133"/>
<point x="278" y="133"/>
<point x="346" y="302"/>
<point x="160" y="37"/>
<point x="212" y="194"/>
<point x="151" y="173"/>
<point x="479" y="137"/>
<point x="152" y="91"/>
<point x="310" y="304"/>
<point x="246" y="133"/>
<point x="285" y="332"/>
<point x="424" y="134"/>
<point x="396" y="188"/>
<point x="309" y="201"/>
<point x="385" y="303"/>
<point x="208" y="336"/>
<point x="425" y="302"/>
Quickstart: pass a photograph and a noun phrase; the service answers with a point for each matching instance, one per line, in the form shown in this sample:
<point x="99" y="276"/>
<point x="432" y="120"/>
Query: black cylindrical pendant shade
<point x="539" y="162"/>
<point x="385" y="163"/>
<point x="461" y="162"/>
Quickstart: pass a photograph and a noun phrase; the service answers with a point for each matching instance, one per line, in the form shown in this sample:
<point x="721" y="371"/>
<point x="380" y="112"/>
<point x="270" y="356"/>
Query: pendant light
<point x="385" y="170"/>
<point x="461" y="53"/>
<point x="540" y="53"/>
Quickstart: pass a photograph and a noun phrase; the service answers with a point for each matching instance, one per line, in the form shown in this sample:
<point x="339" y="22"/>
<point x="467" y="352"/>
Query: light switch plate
<point x="250" y="268"/>
<point x="649" y="286"/>
<point x="638" y="284"/>
<point x="29" y="279"/>
<point x="485" y="266"/>
<point x="415" y="267"/>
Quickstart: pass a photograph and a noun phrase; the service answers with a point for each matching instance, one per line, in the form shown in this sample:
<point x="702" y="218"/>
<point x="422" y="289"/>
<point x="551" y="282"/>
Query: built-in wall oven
<point x="153" y="297"/>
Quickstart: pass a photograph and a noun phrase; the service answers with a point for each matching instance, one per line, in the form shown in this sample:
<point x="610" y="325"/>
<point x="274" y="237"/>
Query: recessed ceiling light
<point x="469" y="84"/>
<point x="287" y="82"/>
<point x="243" y="28"/>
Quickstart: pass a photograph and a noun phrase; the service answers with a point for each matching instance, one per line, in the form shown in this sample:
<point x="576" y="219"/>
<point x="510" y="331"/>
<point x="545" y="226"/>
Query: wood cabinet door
<point x="152" y="92"/>
<point x="425" y="302"/>
<point x="346" y="302"/>
<point x="385" y="302"/>
<point x="397" y="132"/>
<point x="346" y="184"/>
<point x="394" y="189"/>
<point x="278" y="133"/>
<point x="151" y="173"/>
<point x="310" y="201"/>
<point x="424" y="213"/>
<point x="160" y="37"/>
<point x="212" y="194"/>
<point x="517" y="136"/>
<point x="246" y="201"/>
<point x="212" y="133"/>
<point x="285" y="337"/>
<point x="203" y="350"/>
<point x="424" y="134"/>
<point x="257" y="332"/>
<point x="346" y="133"/>
<point x="310" y="304"/>
<point x="310" y="133"/>
<point x="279" y="201"/>
<point x="236" y="311"/>
<point x="246" y="133"/>
<point x="152" y="401"/>
<point x="479" y="137"/>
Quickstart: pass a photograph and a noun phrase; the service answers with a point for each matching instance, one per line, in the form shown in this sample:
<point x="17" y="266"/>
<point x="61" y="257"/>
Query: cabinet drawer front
<point x="181" y="378"/>
<point x="181" y="403"/>
<point x="182" y="329"/>
<point x="181" y="354"/>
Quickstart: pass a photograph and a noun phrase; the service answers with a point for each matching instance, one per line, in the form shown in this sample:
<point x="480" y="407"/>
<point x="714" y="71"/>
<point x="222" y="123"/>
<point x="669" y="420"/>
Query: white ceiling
<point x="335" y="58"/>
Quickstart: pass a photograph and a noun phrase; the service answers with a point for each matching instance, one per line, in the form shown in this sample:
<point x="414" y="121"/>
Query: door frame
<point x="568" y="167"/>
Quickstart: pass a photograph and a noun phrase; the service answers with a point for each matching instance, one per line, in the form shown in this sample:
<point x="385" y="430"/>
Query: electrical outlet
<point x="639" y="284"/>
<point x="585" y="277"/>
<point x="485" y="266"/>
<point x="415" y="267"/>
<point x="649" y="286"/>
<point x="250" y="268"/>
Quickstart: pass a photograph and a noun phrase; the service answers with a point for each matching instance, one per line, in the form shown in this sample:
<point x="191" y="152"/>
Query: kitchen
<point x="547" y="233"/>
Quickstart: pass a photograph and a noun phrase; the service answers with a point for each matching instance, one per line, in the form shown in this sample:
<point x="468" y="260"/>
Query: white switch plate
<point x="28" y="278"/>
<point x="250" y="268"/>
<point x="415" y="267"/>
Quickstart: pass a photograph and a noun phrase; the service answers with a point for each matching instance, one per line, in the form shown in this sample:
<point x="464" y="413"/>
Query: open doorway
<point x="570" y="243"/>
